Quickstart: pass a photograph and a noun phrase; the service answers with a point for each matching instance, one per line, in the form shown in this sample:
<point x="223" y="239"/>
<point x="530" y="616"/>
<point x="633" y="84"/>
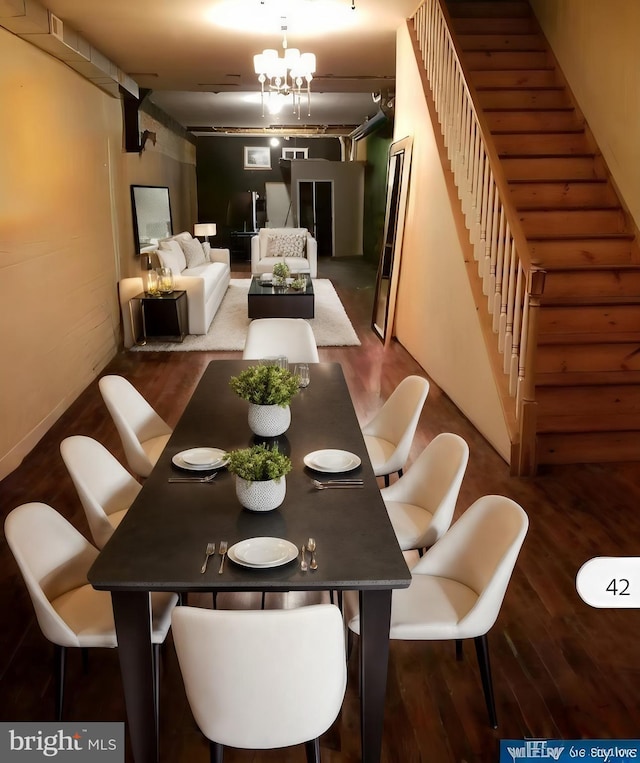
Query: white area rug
<point x="331" y="326"/>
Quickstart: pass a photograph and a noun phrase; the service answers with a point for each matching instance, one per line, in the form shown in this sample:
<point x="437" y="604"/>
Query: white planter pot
<point x="269" y="420"/>
<point x="261" y="496"/>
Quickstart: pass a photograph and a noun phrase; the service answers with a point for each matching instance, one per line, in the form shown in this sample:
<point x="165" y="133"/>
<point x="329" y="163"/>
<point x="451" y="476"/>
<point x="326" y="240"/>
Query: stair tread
<point x="581" y="155"/>
<point x="519" y="88"/>
<point x="570" y="210"/>
<point x="585" y="378"/>
<point x="573" y="237"/>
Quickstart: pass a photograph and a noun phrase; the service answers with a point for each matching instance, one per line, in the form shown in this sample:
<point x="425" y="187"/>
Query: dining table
<point x="161" y="542"/>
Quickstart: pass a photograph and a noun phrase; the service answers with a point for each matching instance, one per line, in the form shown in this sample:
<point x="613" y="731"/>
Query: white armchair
<point x="295" y="246"/>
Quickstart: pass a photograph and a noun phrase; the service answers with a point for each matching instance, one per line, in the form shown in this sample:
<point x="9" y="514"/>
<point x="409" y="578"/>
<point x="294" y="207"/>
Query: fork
<point x="223" y="553"/>
<point x="211" y="550"/>
<point x="337" y="483"/>
<point x="208" y="478"/>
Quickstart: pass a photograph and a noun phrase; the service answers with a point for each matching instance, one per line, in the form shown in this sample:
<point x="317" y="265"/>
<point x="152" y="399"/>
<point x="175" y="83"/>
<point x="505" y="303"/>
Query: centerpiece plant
<point x="268" y="390"/>
<point x="280" y="273"/>
<point x="259" y="463"/>
<point x="260" y="476"/>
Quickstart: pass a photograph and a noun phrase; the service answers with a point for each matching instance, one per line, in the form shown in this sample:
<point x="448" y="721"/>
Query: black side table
<point x="164" y="317"/>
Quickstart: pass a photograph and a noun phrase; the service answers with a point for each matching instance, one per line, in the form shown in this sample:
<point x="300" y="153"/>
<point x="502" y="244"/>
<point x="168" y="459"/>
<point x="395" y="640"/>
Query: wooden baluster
<point x="504" y="287"/>
<point x="507" y="341"/>
<point x="513" y="366"/>
<point x="525" y="397"/>
<point x="499" y="274"/>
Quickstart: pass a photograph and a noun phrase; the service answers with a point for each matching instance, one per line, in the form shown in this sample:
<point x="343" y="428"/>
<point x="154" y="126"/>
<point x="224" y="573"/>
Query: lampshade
<point x="204" y="229"/>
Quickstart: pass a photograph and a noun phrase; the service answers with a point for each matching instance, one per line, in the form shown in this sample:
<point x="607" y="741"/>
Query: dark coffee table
<point x="280" y="302"/>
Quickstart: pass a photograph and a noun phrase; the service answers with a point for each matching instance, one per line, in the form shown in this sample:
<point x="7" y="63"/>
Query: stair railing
<point x="512" y="285"/>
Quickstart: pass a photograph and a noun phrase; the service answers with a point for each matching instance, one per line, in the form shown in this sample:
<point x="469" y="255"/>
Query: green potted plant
<point x="260" y="476"/>
<point x="280" y="274"/>
<point x="269" y="391"/>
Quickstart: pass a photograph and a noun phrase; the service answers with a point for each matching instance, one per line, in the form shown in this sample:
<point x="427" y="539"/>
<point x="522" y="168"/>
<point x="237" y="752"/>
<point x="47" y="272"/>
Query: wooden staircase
<point x="587" y="380"/>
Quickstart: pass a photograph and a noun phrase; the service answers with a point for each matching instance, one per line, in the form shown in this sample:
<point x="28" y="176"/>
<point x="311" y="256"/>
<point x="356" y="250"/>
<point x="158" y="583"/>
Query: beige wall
<point x="65" y="235"/>
<point x="348" y="198"/>
<point x="435" y="316"/>
<point x="170" y="162"/>
<point x="596" y="44"/>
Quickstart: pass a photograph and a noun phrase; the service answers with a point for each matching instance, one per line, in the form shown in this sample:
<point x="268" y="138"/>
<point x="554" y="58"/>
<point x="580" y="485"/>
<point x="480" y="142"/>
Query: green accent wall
<point x="375" y="192"/>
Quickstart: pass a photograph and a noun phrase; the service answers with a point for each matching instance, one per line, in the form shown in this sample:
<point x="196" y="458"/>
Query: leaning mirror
<point x="389" y="265"/>
<point x="151" y="215"/>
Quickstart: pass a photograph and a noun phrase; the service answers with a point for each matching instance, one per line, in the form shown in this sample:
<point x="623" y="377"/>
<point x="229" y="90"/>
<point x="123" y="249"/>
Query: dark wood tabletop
<point x="161" y="542"/>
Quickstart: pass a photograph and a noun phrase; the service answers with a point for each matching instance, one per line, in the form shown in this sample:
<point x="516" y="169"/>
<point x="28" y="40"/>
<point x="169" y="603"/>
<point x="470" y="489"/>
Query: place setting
<point x="334" y="461"/>
<point x="198" y="461"/>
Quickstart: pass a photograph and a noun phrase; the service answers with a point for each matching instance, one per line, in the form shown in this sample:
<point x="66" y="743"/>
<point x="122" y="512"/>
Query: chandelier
<point x="289" y="74"/>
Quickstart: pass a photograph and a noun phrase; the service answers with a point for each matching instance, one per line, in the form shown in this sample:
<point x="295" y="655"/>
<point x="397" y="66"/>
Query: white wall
<point x="436" y="319"/>
<point x="596" y="44"/>
<point x="65" y="235"/>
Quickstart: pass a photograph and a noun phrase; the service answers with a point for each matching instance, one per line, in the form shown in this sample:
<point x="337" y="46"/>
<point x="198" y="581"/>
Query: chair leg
<point x="85" y="659"/>
<point x="216" y="752"/>
<point x="459" y="654"/>
<point x="214" y="598"/>
<point x="399" y="473"/>
<point x="386" y="480"/>
<point x="482" y="651"/>
<point x="60" y="659"/>
<point x="312" y="748"/>
<point x="156" y="686"/>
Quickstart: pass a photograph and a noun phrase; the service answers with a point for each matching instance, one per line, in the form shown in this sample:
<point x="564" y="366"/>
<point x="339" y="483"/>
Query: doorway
<point x="315" y="200"/>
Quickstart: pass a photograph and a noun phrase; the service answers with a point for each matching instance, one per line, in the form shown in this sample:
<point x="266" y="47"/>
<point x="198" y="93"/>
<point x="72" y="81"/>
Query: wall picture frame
<point x="257" y="158"/>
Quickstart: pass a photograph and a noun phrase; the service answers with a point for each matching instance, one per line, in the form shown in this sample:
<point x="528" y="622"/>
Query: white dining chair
<point x="270" y="337"/>
<point x="144" y="434"/>
<point x="262" y="679"/>
<point x="422" y="502"/>
<point x="389" y="434"/>
<point x="54" y="559"/>
<point x="105" y="488"/>
<point x="458" y="586"/>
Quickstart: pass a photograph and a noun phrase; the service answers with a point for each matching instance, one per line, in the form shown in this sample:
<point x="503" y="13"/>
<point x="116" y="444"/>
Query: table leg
<point x="375" y="616"/>
<point x="132" y="616"/>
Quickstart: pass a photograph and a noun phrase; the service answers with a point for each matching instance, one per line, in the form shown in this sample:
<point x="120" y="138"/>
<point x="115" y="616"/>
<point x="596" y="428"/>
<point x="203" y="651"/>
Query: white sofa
<point x="205" y="279"/>
<point x="295" y="246"/>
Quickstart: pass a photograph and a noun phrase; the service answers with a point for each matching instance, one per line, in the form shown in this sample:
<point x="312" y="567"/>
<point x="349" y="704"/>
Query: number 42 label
<point x="610" y="582"/>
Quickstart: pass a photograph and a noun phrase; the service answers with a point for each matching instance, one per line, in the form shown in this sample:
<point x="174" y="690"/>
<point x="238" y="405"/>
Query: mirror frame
<point x="164" y="211"/>
<point x="398" y="174"/>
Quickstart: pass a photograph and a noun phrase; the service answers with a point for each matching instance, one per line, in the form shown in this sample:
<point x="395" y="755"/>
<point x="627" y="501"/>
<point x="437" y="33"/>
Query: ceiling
<point x="196" y="56"/>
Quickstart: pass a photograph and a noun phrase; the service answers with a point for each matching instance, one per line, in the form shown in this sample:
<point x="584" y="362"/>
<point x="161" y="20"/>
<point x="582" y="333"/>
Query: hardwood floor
<point x="560" y="668"/>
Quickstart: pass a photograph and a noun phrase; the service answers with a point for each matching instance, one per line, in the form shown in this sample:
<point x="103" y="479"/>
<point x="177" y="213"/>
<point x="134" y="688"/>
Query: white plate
<point x="332" y="461"/>
<point x="201" y="459"/>
<point x="262" y="552"/>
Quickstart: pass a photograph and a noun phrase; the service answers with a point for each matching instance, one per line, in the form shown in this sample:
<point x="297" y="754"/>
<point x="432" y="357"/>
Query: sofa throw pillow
<point x="171" y="256"/>
<point x="286" y="245"/>
<point x="193" y="252"/>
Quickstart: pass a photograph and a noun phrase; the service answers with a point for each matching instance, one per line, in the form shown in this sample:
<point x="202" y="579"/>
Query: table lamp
<point x="204" y="229"/>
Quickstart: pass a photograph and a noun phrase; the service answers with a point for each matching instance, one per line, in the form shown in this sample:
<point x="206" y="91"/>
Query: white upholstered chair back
<point x="269" y="337"/>
<point x="422" y="502"/>
<point x="389" y="434"/>
<point x="54" y="559"/>
<point x="142" y="431"/>
<point x="105" y="488"/>
<point x="261" y="679"/>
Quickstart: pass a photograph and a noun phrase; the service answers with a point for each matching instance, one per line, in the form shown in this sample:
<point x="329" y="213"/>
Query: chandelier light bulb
<point x="284" y="75"/>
